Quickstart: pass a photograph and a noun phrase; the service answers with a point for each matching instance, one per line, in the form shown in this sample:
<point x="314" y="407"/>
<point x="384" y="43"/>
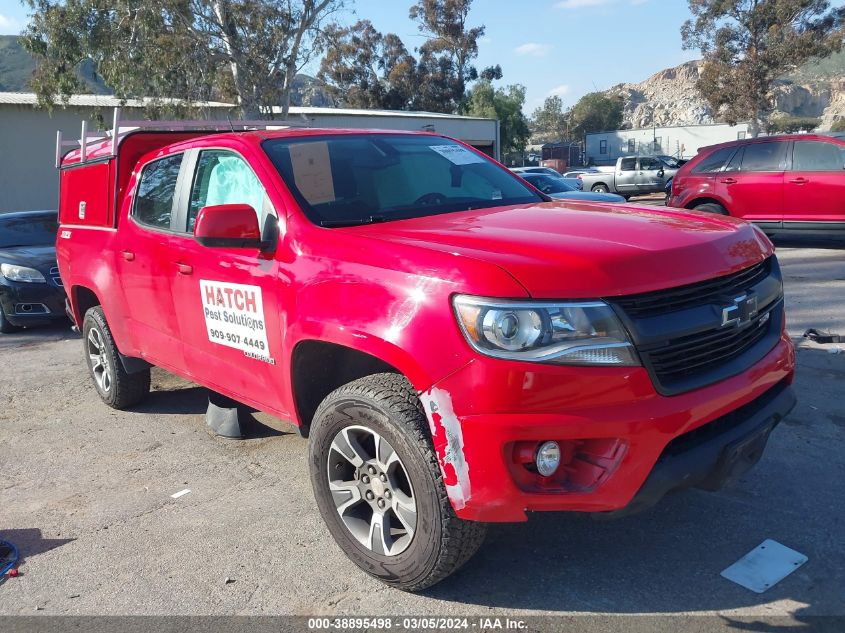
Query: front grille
<point x="54" y="275"/>
<point x="684" y="336"/>
<point x="705" y="351"/>
<point x="692" y="295"/>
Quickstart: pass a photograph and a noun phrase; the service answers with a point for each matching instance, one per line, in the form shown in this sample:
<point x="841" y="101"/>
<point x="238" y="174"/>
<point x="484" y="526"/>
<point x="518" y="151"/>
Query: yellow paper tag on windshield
<point x="312" y="171"/>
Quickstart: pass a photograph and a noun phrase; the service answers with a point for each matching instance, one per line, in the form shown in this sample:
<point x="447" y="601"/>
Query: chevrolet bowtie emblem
<point x="742" y="310"/>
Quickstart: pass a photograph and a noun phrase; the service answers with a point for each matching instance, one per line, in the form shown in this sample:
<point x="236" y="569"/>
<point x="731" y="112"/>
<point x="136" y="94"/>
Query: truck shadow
<point x="668" y="559"/>
<point x="172" y="395"/>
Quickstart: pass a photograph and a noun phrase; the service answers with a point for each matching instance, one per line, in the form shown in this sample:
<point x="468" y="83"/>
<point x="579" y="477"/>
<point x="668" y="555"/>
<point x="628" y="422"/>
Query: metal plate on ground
<point x="764" y="566"/>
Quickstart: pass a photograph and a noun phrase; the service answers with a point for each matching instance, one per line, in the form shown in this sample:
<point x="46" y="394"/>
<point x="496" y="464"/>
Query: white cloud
<point x="581" y="4"/>
<point x="558" y="91"/>
<point x="533" y="49"/>
<point x="9" y="26"/>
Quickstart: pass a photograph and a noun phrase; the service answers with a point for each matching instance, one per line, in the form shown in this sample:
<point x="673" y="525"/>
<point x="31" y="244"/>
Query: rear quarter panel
<point x="86" y="257"/>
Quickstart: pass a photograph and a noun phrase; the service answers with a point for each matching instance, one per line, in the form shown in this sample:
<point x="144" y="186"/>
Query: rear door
<point x="229" y="301"/>
<point x="650" y="177"/>
<point x="814" y="190"/>
<point x="751" y="186"/>
<point x="146" y="268"/>
<point x="626" y="176"/>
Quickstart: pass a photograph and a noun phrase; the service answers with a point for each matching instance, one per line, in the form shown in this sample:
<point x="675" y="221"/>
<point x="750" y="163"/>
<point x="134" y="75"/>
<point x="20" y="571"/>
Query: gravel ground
<point x="85" y="494"/>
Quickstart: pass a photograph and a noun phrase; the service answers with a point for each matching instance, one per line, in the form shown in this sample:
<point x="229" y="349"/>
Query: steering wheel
<point x="433" y="197"/>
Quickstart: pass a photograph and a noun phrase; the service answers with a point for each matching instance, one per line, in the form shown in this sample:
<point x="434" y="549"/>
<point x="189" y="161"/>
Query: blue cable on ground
<point x="11" y="557"/>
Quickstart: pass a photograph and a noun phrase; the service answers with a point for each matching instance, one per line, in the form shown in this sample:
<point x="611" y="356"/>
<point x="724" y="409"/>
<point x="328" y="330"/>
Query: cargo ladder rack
<point x="121" y="128"/>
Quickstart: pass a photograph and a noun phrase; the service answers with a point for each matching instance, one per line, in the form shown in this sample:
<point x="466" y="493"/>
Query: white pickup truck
<point x="633" y="176"/>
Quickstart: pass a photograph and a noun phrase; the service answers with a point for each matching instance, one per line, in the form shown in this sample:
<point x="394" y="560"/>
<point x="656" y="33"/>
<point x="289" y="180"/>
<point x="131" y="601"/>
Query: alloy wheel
<point x="372" y="491"/>
<point x="99" y="360"/>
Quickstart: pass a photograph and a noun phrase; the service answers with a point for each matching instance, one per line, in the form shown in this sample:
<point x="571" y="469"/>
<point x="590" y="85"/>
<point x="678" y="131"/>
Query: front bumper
<point x="594" y="403"/>
<point x="710" y="458"/>
<point x="26" y="304"/>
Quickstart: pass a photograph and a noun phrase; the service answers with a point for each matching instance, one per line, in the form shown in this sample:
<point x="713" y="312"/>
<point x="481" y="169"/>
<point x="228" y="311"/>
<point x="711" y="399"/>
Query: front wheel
<point x="379" y="488"/>
<point x="116" y="387"/>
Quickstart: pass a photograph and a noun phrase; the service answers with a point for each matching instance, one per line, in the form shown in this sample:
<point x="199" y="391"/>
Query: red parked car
<point x="786" y="183"/>
<point x="458" y="347"/>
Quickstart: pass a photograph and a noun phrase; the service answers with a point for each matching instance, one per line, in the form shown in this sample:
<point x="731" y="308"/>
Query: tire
<point x="5" y="326"/>
<point x="116" y="387"/>
<point x="385" y="406"/>
<point x="600" y="188"/>
<point x="711" y="207"/>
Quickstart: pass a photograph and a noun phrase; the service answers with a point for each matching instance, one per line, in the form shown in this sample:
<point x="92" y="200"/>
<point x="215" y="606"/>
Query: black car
<point x="31" y="290"/>
<point x="564" y="189"/>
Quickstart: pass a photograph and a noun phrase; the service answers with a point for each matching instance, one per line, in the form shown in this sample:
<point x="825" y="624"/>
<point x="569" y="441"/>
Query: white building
<point x="29" y="180"/>
<point x="682" y="141"/>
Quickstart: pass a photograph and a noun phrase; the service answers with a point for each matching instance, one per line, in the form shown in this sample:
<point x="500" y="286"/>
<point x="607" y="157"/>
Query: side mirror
<point x="228" y="226"/>
<point x="660" y="173"/>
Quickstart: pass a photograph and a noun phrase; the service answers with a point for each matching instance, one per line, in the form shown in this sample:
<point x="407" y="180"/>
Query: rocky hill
<point x="16" y="66"/>
<point x="670" y="97"/>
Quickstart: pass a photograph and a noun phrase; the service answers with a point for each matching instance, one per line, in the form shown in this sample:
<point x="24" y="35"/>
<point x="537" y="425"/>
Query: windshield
<point x="28" y="230"/>
<point x="356" y="179"/>
<point x="549" y="184"/>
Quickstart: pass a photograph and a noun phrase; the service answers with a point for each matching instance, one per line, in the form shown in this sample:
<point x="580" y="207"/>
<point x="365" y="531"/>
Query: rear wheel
<point x="116" y="387"/>
<point x="711" y="207"/>
<point x="600" y="188"/>
<point x="5" y="326"/>
<point x="378" y="485"/>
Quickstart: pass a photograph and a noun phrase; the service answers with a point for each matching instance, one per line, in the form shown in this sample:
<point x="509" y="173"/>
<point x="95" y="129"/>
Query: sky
<point x="562" y="47"/>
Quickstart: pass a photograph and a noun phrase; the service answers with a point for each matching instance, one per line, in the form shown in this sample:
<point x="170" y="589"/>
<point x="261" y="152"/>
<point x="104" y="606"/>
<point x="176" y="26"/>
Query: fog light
<point x="548" y="458"/>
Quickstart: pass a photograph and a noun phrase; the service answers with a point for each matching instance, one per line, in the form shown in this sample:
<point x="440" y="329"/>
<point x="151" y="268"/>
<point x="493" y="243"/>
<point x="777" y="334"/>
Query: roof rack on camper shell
<point x="121" y="129"/>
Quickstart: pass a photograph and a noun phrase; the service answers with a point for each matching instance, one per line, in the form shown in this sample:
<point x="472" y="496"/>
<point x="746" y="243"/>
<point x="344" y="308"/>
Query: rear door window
<point x="628" y="164"/>
<point x="763" y="157"/>
<point x="156" y="191"/>
<point x="818" y="156"/>
<point x="715" y="161"/>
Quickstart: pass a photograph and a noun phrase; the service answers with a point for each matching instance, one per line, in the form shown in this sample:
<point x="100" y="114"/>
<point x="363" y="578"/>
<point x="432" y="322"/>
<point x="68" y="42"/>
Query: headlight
<point x="578" y="333"/>
<point x="22" y="273"/>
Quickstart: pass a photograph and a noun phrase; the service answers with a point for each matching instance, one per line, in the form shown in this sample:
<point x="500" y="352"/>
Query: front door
<point x="145" y="263"/>
<point x="626" y="176"/>
<point x="751" y="185"/>
<point x="230" y="301"/>
<point x="814" y="190"/>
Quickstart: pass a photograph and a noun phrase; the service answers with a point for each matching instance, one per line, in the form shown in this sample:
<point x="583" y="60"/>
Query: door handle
<point x="799" y="181"/>
<point x="184" y="269"/>
<point x="728" y="181"/>
<point x="128" y="255"/>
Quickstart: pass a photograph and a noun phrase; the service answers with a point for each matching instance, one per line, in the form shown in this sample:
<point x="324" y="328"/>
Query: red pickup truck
<point x="458" y="348"/>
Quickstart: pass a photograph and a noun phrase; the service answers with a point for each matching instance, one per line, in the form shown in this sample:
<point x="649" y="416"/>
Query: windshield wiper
<point x="369" y="219"/>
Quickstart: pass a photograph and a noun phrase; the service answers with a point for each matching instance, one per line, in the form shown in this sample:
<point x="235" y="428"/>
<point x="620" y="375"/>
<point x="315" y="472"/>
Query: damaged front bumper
<point x="624" y="445"/>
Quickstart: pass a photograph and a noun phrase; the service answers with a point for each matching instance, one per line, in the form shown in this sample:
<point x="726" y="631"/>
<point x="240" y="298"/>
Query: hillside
<point x="16" y="66"/>
<point x="669" y="97"/>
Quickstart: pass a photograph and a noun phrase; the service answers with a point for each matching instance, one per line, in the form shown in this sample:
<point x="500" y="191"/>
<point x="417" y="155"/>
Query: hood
<point x="587" y="196"/>
<point x="40" y="257"/>
<point x="560" y="250"/>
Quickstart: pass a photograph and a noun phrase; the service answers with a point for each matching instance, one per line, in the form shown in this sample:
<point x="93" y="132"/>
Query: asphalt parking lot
<point x="85" y="493"/>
